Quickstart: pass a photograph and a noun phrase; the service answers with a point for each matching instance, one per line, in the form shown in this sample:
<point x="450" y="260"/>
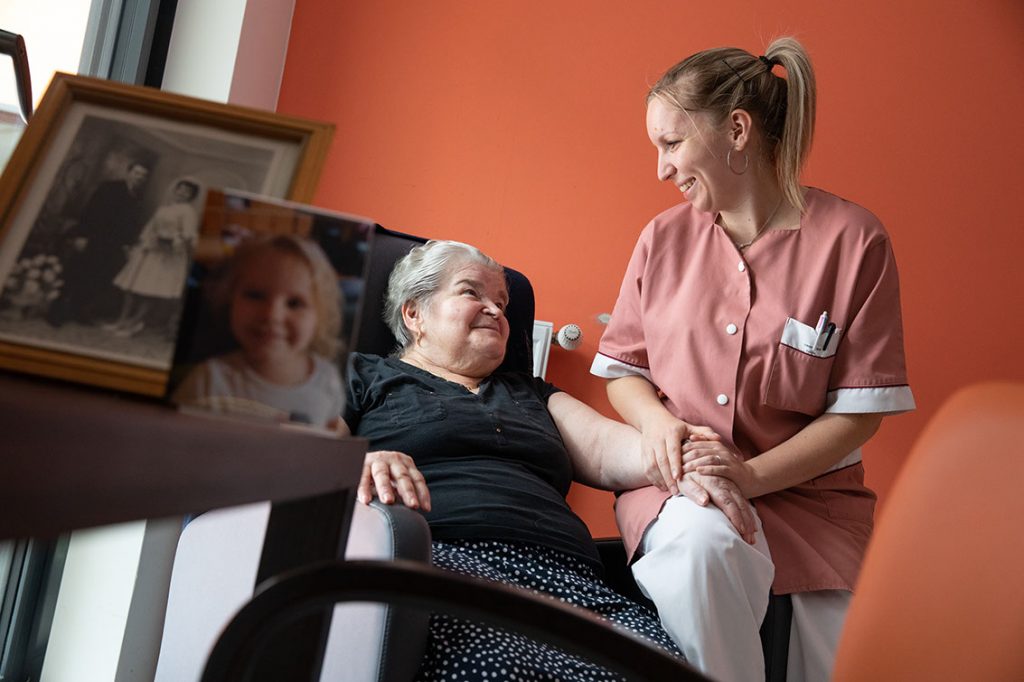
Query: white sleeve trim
<point x="887" y="399"/>
<point x="849" y="460"/>
<point x="610" y="368"/>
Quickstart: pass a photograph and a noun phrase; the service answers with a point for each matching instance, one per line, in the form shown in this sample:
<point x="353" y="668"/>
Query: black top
<point x="494" y="461"/>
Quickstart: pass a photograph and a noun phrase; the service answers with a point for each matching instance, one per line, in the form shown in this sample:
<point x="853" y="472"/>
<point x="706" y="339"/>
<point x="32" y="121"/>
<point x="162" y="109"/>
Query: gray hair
<point x="420" y="273"/>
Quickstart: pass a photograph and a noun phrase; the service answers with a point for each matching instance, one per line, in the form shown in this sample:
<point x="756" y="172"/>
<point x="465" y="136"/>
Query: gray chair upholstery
<point x="214" y="576"/>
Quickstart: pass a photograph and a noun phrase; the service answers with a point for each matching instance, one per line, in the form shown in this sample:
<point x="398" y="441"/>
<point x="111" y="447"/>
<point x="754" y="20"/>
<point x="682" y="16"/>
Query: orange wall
<point x="518" y="125"/>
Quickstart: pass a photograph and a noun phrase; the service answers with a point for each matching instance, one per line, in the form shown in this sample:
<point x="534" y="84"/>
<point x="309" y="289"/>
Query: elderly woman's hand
<point x="712" y="458"/>
<point x="662" y="437"/>
<point x="387" y="471"/>
<point x="726" y="496"/>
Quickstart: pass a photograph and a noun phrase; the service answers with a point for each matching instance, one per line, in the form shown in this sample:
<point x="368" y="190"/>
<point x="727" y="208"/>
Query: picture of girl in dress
<point x="158" y="263"/>
<point x="280" y="297"/>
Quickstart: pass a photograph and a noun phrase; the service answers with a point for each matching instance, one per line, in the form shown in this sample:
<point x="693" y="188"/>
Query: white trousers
<point x="711" y="589"/>
<point x="818" y="619"/>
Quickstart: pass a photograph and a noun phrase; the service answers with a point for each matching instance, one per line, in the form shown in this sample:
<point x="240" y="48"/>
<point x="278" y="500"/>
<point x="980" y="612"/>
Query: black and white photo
<point x="96" y="243"/>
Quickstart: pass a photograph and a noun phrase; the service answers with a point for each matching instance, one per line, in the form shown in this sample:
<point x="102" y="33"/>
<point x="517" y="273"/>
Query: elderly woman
<point x="489" y="458"/>
<point x="769" y="312"/>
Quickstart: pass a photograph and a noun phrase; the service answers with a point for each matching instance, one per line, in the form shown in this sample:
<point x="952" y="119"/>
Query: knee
<point x="705" y="537"/>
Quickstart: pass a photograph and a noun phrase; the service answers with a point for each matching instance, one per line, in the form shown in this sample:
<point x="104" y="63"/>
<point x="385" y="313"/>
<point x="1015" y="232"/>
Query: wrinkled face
<point x="691" y="155"/>
<point x="273" y="312"/>
<point x="464" y="321"/>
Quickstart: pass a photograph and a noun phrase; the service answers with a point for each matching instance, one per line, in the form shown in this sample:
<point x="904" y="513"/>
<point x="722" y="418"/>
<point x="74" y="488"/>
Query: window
<point x="123" y="40"/>
<point x="52" y="45"/>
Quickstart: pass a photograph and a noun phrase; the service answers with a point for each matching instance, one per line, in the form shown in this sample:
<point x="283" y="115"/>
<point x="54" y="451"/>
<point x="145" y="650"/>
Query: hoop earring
<point x="746" y="162"/>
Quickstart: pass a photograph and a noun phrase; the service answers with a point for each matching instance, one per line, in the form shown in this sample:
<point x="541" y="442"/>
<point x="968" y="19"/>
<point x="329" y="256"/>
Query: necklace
<point x="760" y="230"/>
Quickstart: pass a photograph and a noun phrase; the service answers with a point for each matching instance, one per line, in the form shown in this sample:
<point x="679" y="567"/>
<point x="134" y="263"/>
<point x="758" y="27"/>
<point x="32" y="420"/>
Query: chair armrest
<point x="389" y="532"/>
<point x="407" y="530"/>
<point x="317" y="586"/>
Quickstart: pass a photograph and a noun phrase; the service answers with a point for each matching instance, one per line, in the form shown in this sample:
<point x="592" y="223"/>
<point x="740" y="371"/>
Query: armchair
<point x="939" y="594"/>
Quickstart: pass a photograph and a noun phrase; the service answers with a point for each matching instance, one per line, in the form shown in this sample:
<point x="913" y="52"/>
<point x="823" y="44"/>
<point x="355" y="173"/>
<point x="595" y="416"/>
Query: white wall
<point x="204" y="43"/>
<point x="89" y="620"/>
<point x="262" y="49"/>
<point x="229" y="50"/>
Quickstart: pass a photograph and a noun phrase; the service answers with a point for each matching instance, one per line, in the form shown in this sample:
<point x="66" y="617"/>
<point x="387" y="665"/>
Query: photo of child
<point x="280" y="298"/>
<point x="158" y="262"/>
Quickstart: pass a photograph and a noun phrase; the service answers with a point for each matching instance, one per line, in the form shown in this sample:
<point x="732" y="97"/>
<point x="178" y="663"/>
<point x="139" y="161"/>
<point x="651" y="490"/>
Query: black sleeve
<point x="544" y="389"/>
<point x="356" y="383"/>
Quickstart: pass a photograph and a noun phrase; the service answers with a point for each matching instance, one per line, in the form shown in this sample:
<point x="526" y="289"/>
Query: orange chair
<point x="941" y="592"/>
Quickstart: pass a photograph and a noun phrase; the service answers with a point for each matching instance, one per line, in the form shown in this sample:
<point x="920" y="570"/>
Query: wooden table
<point x="76" y="457"/>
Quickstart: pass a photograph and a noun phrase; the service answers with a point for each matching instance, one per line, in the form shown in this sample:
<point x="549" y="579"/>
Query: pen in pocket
<point x="821" y="329"/>
<point x="829" y="331"/>
<point x="822" y="322"/>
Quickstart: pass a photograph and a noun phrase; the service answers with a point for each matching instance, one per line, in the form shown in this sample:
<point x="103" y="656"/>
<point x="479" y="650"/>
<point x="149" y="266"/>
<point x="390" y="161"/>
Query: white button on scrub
<point x="741" y="266"/>
<point x="722" y="399"/>
<point x="730" y="329"/>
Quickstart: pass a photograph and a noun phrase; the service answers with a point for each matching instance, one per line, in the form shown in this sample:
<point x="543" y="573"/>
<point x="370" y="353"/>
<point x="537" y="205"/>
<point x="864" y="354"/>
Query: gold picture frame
<point x="74" y="212"/>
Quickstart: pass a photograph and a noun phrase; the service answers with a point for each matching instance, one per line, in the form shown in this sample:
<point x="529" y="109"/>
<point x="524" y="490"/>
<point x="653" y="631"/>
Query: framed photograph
<point x="271" y="308"/>
<point x="99" y="212"/>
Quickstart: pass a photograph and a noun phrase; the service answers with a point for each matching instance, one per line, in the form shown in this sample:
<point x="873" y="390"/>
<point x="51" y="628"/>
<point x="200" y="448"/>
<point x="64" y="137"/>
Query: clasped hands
<point x="678" y="457"/>
<point x="682" y="458"/>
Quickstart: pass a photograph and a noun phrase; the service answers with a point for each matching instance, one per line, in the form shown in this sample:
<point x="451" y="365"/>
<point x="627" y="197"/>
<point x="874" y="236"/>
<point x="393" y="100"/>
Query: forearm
<point x="605" y="453"/>
<point x="635" y="399"/>
<point x="810" y="453"/>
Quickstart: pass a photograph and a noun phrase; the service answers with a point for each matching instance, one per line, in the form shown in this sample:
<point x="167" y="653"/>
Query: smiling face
<point x="273" y="309"/>
<point x="691" y="155"/>
<point x="462" y="328"/>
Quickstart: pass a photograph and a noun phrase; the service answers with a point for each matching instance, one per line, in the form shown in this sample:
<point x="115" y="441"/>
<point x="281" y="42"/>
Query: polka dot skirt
<point x="463" y="651"/>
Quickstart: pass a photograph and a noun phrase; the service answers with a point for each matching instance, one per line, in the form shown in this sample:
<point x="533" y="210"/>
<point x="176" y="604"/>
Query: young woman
<point x="768" y="313"/>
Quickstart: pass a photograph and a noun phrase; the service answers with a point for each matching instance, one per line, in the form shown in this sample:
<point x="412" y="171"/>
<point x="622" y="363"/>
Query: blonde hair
<point x="720" y="80"/>
<point x="419" y="274"/>
<point x="326" y="295"/>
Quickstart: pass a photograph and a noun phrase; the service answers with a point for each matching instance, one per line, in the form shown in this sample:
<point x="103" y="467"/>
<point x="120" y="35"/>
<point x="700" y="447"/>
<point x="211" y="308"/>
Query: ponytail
<point x="723" y="79"/>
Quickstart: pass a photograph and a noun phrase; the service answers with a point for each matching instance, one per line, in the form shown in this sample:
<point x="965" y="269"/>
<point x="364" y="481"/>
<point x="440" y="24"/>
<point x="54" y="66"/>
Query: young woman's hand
<point x="661" y="448"/>
<point x="388" y="474"/>
<point x="712" y="458"/>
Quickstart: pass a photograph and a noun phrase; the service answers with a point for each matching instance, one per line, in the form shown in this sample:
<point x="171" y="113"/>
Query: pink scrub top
<point x="731" y="341"/>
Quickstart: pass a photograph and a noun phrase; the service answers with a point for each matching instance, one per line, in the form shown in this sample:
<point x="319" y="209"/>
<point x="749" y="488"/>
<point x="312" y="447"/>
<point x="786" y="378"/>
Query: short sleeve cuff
<point x="610" y="368"/>
<point x="887" y="399"/>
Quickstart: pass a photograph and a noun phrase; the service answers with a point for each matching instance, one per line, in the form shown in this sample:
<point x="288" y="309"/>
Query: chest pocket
<point x="414" y="406"/>
<point x="798" y="380"/>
